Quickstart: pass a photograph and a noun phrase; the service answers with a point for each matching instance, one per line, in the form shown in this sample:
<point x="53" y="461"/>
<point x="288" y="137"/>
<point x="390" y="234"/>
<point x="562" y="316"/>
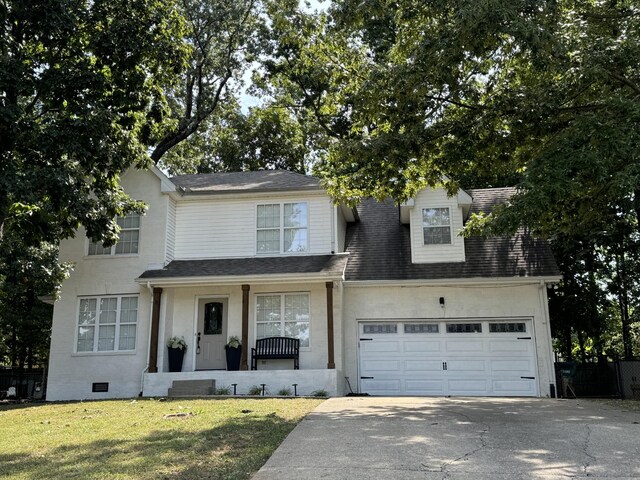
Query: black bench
<point x="271" y="348"/>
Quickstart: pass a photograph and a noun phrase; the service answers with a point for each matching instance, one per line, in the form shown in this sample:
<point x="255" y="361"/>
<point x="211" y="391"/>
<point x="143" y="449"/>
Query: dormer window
<point x="436" y="226"/>
<point x="282" y="228"/>
<point x="128" y="238"/>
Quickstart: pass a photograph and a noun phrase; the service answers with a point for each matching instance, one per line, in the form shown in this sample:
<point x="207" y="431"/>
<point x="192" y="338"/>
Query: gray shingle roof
<point x="331" y="266"/>
<point x="239" y="182"/>
<point x="379" y="248"/>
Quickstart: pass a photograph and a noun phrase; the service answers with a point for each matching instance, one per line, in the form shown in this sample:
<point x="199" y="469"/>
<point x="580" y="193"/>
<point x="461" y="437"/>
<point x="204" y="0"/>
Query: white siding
<point x="226" y="227"/>
<point x="421" y="302"/>
<point x="341" y="230"/>
<point x="71" y="375"/>
<point x="421" y="253"/>
<point x="171" y="230"/>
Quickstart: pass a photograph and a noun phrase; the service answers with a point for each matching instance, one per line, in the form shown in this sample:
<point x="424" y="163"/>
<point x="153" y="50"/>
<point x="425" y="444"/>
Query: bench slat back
<point x="277" y="346"/>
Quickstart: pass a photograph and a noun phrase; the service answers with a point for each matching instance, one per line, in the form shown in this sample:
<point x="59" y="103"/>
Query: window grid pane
<point x="96" y="248"/>
<point x="85" y="338"/>
<point x="268" y="241"/>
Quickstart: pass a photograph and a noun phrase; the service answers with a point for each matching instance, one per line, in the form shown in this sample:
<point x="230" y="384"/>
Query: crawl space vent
<point x="100" y="387"/>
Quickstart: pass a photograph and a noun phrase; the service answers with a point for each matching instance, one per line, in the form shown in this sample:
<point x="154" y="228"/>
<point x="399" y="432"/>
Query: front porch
<point x="307" y="381"/>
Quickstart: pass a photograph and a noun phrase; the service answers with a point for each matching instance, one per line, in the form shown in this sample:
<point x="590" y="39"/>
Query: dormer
<point x="435" y="221"/>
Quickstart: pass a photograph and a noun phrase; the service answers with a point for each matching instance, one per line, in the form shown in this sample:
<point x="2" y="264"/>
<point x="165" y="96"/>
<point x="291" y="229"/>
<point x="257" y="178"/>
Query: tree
<point x="81" y="92"/>
<point x="267" y="137"/>
<point x="30" y="273"/>
<point x="224" y="37"/>
<point x="413" y="93"/>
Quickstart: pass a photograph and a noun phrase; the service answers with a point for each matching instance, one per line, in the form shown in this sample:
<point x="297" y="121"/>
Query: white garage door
<point x="453" y="357"/>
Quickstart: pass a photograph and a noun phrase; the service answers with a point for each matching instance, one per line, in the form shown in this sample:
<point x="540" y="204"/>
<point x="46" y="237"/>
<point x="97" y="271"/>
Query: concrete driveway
<point x="463" y="438"/>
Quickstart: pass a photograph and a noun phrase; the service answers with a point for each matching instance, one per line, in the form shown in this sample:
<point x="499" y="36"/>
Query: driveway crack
<point x="585" y="447"/>
<point x="444" y="468"/>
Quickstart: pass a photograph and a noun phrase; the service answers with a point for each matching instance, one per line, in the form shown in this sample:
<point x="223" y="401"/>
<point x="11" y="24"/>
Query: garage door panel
<point x="514" y="387"/>
<point x="424" y="387"/>
<point x="471" y="365"/>
<point x="422" y="366"/>
<point x="512" y="345"/>
<point x="456" y="346"/>
<point x="512" y="365"/>
<point x="381" y="346"/>
<point x="467" y="386"/>
<point x="382" y="386"/>
<point x="370" y="366"/>
<point x="422" y="347"/>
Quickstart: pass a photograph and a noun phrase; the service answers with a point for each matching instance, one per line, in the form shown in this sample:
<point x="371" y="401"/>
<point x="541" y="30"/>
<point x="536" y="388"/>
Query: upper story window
<point x="436" y="226"/>
<point x="282" y="228"/>
<point x="128" y="238"/>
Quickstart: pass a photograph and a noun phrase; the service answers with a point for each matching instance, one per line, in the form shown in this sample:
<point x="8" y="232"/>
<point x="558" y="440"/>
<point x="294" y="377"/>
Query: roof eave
<point x="239" y="279"/>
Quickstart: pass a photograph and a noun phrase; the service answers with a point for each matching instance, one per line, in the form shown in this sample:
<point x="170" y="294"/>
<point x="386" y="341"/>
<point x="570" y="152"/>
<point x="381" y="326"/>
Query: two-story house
<point x="383" y="299"/>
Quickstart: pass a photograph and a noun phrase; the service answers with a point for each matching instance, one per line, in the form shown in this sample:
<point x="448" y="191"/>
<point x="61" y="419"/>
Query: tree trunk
<point x="623" y="303"/>
<point x="583" y="353"/>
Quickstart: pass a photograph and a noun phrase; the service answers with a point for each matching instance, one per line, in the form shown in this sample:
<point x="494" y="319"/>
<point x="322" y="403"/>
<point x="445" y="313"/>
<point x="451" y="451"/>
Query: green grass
<point x="133" y="439"/>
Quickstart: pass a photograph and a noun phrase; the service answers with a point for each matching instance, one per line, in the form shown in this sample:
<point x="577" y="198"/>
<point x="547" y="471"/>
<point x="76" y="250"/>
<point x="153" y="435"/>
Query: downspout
<point x="334" y="229"/>
<point x="544" y="306"/>
<point x="148" y="340"/>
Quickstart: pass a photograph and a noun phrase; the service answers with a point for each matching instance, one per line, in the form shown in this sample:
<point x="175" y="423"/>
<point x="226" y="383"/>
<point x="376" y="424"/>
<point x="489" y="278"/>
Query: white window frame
<point x="450" y="226"/>
<point x="96" y="325"/>
<point x="113" y="248"/>
<point x="281" y="228"/>
<point x="282" y="296"/>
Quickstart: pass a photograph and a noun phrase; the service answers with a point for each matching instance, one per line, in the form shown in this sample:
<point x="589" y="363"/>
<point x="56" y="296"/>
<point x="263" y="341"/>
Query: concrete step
<point x="190" y="388"/>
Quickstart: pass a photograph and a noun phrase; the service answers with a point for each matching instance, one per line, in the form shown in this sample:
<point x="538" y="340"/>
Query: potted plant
<point x="233" y="350"/>
<point x="177" y="346"/>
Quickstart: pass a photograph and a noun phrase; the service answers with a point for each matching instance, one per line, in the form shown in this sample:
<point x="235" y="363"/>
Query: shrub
<point x="255" y="390"/>
<point x="223" y="391"/>
<point x="284" y="392"/>
<point x="320" y="393"/>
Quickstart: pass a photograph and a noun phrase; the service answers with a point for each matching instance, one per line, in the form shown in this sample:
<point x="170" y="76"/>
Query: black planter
<point x="233" y="357"/>
<point x="176" y="355"/>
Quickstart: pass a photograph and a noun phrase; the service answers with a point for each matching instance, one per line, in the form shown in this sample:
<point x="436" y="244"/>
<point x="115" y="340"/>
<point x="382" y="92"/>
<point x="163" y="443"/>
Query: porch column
<point x="155" y="326"/>
<point x="330" y="361"/>
<point x="245" y="327"/>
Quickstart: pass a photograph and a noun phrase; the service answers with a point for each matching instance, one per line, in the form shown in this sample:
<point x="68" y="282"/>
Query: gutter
<point x="455" y="282"/>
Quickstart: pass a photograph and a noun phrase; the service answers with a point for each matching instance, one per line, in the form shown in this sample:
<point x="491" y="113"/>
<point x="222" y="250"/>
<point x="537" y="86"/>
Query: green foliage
<point x="255" y="390"/>
<point x="81" y="90"/>
<point x="177" y="342"/>
<point x="284" y="392"/>
<point x="319" y="393"/>
<point x="223" y="391"/>
<point x="224" y="37"/>
<point x="479" y="93"/>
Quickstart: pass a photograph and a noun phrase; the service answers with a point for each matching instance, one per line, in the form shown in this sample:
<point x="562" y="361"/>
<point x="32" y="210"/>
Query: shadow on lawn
<point x="233" y="450"/>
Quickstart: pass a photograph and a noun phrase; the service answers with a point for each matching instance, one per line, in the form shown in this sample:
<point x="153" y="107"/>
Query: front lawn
<point x="145" y="438"/>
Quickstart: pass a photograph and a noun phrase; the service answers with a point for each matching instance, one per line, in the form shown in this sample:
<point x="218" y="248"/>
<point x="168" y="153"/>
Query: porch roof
<point x="237" y="270"/>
